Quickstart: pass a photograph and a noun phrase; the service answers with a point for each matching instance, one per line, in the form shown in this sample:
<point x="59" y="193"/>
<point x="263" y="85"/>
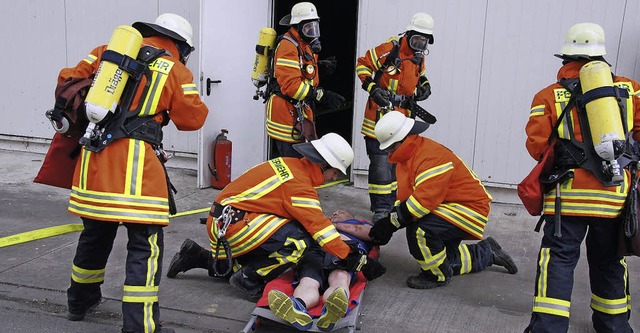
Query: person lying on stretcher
<point x="319" y="271"/>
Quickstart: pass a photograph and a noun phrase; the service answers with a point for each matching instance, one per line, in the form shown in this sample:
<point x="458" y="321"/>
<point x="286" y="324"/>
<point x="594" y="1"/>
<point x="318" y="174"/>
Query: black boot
<point x="500" y="257"/>
<point x="248" y="283"/>
<point x="423" y="281"/>
<point x="77" y="316"/>
<point x="191" y="255"/>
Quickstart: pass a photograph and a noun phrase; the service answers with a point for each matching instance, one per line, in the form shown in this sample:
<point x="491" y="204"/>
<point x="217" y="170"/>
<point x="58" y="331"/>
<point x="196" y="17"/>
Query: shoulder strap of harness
<point x="390" y="58"/>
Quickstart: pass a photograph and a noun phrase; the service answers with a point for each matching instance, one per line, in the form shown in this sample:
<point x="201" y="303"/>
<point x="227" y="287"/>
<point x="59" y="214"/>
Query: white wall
<point x="43" y="36"/>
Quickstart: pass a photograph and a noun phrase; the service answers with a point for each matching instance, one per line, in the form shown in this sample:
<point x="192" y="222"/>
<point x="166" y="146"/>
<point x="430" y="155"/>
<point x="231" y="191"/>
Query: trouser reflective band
<point x="553" y="306"/>
<point x="81" y="275"/>
<point x="465" y="259"/>
<point x="140" y="294"/>
<point x="381" y="188"/>
<point x="610" y="306"/>
<point x="431" y="261"/>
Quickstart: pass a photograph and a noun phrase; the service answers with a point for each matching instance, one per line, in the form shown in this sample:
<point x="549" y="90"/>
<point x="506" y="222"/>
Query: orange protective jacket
<point x="274" y="193"/>
<point x="582" y="195"/>
<point x="432" y="179"/>
<point x="296" y="71"/>
<point x="126" y="182"/>
<point x="402" y="82"/>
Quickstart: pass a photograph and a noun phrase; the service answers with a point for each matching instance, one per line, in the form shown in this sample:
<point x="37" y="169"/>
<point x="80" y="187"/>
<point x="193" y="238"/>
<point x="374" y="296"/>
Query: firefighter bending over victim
<point x="592" y="201"/>
<point x="289" y="110"/>
<point x="394" y="75"/>
<point x="320" y="271"/>
<point x="273" y="215"/>
<point x="441" y="203"/>
<point x="126" y="181"/>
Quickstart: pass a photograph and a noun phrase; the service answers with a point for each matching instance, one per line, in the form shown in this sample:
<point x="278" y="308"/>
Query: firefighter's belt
<point x="235" y="213"/>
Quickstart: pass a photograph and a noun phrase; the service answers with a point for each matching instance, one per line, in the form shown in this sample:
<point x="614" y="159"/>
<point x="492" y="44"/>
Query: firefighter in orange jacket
<point x="441" y="203"/>
<point x="127" y="183"/>
<point x="289" y="110"/>
<point x="588" y="207"/>
<point x="392" y="73"/>
<point x="274" y="216"/>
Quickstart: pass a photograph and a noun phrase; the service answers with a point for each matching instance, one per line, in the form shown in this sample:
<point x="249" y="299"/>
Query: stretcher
<point x="351" y="320"/>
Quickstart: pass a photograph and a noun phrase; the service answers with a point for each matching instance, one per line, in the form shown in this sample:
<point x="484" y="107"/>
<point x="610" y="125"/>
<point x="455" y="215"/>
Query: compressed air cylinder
<point x="603" y="114"/>
<point x="266" y="43"/>
<point x="109" y="81"/>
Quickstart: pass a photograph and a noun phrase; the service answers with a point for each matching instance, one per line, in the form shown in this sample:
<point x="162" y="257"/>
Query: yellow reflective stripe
<point x="430" y="173"/>
<point x="431" y="262"/>
<point x="380" y="188"/>
<point x="152" y="261"/>
<point x="394" y="186"/>
<point x="543" y="265"/>
<point x="305" y="202"/>
<point x="537" y="110"/>
<point x="135" y="166"/>
<point x="464" y="221"/>
<point x="119" y="213"/>
<point x="415" y="208"/>
<point x="140" y="294"/>
<point x="393" y="86"/>
<point x="254" y="233"/>
<point x="81" y="275"/>
<point x="189" y="89"/>
<point x="288" y="63"/>
<point x="84" y="167"/>
<point x="294" y="257"/>
<point x="553" y="306"/>
<point x="468" y="213"/>
<point x="374" y="59"/>
<point x="609" y="306"/>
<point x="118" y="199"/>
<point x="370" y="85"/>
<point x="363" y="70"/>
<point x="160" y="69"/>
<point x="326" y="235"/>
<point x="302" y="91"/>
<point x="465" y="259"/>
<point x="90" y="58"/>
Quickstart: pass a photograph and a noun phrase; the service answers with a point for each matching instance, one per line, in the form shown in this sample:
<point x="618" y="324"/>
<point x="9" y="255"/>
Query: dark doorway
<point x="338" y="24"/>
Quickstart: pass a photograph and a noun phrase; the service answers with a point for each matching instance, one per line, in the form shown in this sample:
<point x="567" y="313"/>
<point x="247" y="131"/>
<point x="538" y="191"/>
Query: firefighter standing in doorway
<point x="126" y="181"/>
<point x="393" y="73"/>
<point x="591" y="202"/>
<point x="441" y="203"/>
<point x="273" y="215"/>
<point x="289" y="109"/>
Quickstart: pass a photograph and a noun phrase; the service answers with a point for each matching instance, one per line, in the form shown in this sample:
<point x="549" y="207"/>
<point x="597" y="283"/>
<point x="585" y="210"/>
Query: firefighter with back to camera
<point x="120" y="175"/>
<point x="589" y="184"/>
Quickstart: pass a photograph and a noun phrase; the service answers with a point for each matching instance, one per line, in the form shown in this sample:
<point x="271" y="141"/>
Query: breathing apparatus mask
<point x="185" y="51"/>
<point x="310" y="33"/>
<point x="418" y="43"/>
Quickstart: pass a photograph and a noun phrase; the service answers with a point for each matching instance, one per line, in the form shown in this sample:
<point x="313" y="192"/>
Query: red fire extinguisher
<point x="221" y="171"/>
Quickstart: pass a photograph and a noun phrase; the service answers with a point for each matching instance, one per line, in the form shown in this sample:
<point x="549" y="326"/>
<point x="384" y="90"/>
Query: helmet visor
<point x="311" y="29"/>
<point x="419" y="42"/>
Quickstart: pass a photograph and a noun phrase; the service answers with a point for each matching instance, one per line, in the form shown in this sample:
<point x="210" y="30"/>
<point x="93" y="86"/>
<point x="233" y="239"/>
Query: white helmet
<point x="395" y="126"/>
<point x="422" y="23"/>
<point x="584" y="39"/>
<point x="171" y="25"/>
<point x="330" y="148"/>
<point x="303" y="11"/>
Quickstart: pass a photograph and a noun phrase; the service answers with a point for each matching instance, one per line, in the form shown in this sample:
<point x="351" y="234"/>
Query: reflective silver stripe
<point x="151" y="95"/>
<point x="433" y="171"/>
<point x="329" y="235"/>
<point x="253" y="193"/>
<point x="556" y="308"/>
<point x="472" y="227"/>
<point x="110" y="212"/>
<point x="134" y="166"/>
<point x="117" y="198"/>
<point x="305" y="202"/>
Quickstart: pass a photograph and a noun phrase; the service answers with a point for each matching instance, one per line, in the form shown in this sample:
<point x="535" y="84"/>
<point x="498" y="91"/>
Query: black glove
<point x="423" y="91"/>
<point x="331" y="100"/>
<point x="373" y="269"/>
<point x="327" y="66"/>
<point x="380" y="96"/>
<point x="382" y="231"/>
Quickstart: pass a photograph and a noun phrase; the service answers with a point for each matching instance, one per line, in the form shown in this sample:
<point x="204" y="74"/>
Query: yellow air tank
<point x="266" y="43"/>
<point x="603" y="115"/>
<point x="109" y="81"/>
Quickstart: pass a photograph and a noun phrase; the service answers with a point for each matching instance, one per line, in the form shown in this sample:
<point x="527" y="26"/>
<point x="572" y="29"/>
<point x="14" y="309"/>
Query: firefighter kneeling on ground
<point x="583" y="200"/>
<point x="440" y="202"/>
<point x="275" y="216"/>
